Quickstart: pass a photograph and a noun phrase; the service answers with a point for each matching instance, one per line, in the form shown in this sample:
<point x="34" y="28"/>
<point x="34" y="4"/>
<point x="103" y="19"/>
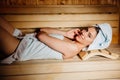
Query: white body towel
<point x="31" y="48"/>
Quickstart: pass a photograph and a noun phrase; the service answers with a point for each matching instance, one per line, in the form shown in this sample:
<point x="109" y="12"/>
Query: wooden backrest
<point x="61" y="16"/>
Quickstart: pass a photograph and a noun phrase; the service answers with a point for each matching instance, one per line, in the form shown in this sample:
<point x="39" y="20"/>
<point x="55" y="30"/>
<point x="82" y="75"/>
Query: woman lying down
<point x="49" y="43"/>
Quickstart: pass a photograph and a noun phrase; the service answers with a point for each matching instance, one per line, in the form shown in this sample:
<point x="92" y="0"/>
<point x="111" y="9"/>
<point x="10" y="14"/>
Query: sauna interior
<point x="28" y="15"/>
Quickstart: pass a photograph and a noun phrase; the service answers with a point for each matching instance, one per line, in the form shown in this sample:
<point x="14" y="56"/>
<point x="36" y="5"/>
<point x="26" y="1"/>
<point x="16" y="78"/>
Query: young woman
<point x="50" y="43"/>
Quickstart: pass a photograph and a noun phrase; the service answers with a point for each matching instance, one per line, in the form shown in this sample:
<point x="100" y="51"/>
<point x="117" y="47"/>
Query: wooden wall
<point x="38" y="3"/>
<point x="57" y="2"/>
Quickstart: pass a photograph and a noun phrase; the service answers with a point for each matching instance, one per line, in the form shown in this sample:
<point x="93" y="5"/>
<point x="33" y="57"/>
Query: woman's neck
<point x="79" y="45"/>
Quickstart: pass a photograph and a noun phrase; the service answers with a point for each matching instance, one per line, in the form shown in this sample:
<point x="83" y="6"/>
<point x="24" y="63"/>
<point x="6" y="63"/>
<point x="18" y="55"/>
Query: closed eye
<point x="89" y="35"/>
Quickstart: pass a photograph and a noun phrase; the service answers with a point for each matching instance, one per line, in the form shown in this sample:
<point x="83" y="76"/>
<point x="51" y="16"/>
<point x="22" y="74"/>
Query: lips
<point x="79" y="35"/>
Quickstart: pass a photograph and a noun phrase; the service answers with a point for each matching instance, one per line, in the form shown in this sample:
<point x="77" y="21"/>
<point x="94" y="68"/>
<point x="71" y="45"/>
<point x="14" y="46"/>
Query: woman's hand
<point x="72" y="33"/>
<point x="41" y="34"/>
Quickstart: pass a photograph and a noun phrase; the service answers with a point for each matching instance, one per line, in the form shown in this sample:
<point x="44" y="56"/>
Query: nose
<point x="84" y="32"/>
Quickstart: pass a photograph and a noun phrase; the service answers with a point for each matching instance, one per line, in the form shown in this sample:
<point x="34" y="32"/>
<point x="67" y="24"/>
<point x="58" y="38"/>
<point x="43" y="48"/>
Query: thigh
<point x="6" y="25"/>
<point x="8" y="42"/>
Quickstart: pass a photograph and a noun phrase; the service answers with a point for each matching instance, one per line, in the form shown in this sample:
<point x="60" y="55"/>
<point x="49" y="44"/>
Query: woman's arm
<point x="69" y="34"/>
<point x="53" y="30"/>
<point x="68" y="49"/>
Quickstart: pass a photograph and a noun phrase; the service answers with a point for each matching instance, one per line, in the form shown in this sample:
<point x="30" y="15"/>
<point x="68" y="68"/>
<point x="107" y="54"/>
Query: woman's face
<point x="86" y="37"/>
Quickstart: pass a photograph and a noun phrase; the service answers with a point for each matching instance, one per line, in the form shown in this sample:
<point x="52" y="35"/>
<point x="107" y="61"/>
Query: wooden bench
<point x="63" y="17"/>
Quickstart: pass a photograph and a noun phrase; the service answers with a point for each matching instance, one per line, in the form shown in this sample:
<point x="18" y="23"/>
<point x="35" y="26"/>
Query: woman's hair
<point x="86" y="28"/>
<point x="97" y="29"/>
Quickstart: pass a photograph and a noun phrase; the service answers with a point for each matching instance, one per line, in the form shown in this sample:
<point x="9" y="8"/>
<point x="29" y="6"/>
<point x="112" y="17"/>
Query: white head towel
<point x="103" y="38"/>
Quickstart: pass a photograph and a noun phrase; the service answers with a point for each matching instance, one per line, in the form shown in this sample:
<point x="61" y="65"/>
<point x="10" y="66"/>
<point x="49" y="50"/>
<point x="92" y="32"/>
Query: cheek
<point x="84" y="41"/>
<point x="87" y="41"/>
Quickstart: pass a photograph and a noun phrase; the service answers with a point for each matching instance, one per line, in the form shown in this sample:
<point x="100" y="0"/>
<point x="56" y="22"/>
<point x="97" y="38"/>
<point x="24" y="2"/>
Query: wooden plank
<point x="59" y="9"/>
<point x="63" y="17"/>
<point x="56" y="6"/>
<point x="115" y="36"/>
<point x="56" y="2"/>
<point x="67" y="76"/>
<point x="115" y="46"/>
<point x="58" y="67"/>
<point x="38" y="24"/>
<point x="111" y="79"/>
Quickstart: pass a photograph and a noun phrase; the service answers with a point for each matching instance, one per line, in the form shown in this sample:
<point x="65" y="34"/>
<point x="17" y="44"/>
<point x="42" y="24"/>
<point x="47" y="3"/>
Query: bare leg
<point x="8" y="42"/>
<point x="6" y="25"/>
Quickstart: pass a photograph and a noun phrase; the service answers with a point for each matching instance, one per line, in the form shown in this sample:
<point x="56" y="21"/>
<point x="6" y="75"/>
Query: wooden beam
<point x="66" y="24"/>
<point x="68" y="76"/>
<point x="63" y="17"/>
<point x="59" y="67"/>
<point x="58" y="9"/>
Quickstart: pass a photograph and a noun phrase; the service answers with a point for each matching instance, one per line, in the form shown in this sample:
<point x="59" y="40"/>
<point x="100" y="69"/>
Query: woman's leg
<point x="6" y="25"/>
<point x="8" y="43"/>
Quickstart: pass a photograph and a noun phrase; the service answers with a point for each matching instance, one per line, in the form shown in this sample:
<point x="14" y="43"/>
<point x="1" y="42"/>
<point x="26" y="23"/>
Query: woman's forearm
<point x="69" y="34"/>
<point x="53" y="30"/>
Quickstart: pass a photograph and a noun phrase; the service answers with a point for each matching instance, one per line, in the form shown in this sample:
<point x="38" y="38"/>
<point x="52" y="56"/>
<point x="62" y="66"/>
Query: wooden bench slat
<point x="62" y="17"/>
<point x="68" y="76"/>
<point x="60" y="24"/>
<point x="59" y="67"/>
<point x="55" y="6"/>
<point x="55" y="9"/>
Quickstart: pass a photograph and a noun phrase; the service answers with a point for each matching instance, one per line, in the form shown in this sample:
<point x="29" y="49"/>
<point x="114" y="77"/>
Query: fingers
<point x="77" y="32"/>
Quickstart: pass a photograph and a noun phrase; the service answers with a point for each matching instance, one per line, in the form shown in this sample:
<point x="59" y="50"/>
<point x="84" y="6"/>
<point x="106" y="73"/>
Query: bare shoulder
<point x="74" y="48"/>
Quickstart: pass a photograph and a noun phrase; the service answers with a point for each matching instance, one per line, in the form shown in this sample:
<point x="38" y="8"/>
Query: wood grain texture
<point x="97" y="67"/>
<point x="59" y="9"/>
<point x="56" y="2"/>
<point x="28" y="15"/>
